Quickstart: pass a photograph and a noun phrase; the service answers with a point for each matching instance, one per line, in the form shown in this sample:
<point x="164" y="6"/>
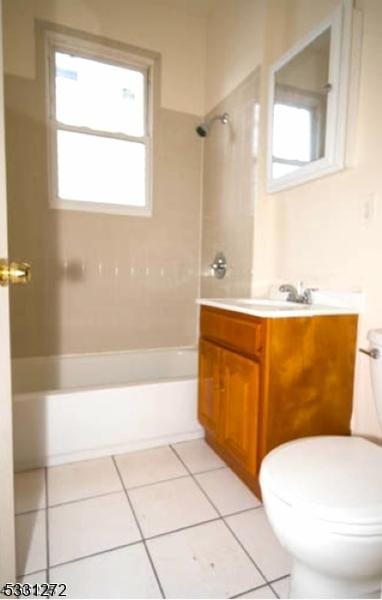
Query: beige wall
<point x="325" y="217"/>
<point x="178" y="35"/>
<point x="101" y="282"/>
<point x="229" y="191"/>
<point x="235" y="43"/>
<point x="315" y="232"/>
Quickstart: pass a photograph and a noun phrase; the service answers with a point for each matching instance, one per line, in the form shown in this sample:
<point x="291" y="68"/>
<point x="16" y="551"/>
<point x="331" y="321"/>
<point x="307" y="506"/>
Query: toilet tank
<point x="375" y="338"/>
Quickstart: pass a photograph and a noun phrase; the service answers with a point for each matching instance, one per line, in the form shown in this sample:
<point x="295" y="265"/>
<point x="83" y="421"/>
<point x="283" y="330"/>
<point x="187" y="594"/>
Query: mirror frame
<point x="340" y="22"/>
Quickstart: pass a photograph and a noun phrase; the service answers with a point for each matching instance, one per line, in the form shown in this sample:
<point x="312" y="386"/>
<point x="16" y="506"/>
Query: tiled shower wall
<point x="229" y="186"/>
<point x="102" y="282"/>
<point x="105" y="282"/>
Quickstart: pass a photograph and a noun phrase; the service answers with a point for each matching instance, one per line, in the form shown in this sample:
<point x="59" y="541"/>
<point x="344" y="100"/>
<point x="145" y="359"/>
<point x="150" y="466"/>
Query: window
<point x="99" y="114"/>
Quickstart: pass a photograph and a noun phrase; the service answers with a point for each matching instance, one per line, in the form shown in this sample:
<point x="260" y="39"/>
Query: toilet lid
<point x="336" y="479"/>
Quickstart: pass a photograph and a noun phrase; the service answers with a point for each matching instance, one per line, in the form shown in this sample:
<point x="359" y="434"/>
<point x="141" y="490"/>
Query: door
<point x="7" y="535"/>
<point x="240" y="404"/>
<point x="209" y="412"/>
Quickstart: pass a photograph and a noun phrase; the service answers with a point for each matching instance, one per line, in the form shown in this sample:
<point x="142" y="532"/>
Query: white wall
<point x="179" y="36"/>
<point x="315" y="232"/>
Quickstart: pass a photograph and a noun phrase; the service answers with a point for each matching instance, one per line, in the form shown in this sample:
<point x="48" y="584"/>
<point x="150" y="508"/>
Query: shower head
<point x="204" y="128"/>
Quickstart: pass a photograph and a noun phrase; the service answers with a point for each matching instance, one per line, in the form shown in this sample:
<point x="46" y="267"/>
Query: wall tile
<point x="102" y="282"/>
<point x="229" y="192"/>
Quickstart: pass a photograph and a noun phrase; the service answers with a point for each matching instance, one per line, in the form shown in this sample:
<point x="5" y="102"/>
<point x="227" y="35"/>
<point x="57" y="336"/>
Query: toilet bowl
<point x="323" y="498"/>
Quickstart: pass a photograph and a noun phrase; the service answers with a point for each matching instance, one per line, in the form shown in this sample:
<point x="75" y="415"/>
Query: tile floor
<point x="170" y="522"/>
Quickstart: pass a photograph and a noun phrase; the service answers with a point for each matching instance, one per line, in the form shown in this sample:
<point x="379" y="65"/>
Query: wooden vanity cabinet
<point x="263" y="382"/>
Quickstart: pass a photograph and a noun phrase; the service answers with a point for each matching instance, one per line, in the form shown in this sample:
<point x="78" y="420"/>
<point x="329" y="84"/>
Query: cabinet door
<point x="240" y="403"/>
<point x="209" y="409"/>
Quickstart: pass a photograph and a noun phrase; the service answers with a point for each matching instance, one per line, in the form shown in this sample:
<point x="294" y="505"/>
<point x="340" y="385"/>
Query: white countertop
<point x="275" y="309"/>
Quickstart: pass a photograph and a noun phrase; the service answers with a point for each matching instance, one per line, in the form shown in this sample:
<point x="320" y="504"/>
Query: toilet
<point x="323" y="498"/>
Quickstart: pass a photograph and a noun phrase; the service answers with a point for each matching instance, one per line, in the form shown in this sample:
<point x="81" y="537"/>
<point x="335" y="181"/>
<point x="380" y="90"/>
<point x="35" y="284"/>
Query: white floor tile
<point x="263" y="592"/>
<point x="31" y="580"/>
<point x="30" y="490"/>
<point x="149" y="466"/>
<point x="202" y="562"/>
<point x="226" y="491"/>
<point x="31" y="542"/>
<point x="122" y="573"/>
<point x="39" y="577"/>
<point x="83" y="479"/>
<point x="282" y="587"/>
<point x="198" y="456"/>
<point x="90" y="526"/>
<point x="170" y="505"/>
<point x="255" y="533"/>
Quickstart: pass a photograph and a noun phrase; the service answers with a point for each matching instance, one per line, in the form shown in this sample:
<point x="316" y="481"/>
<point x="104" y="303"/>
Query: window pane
<point x="292" y="130"/>
<point x="98" y="169"/>
<point x="101" y="96"/>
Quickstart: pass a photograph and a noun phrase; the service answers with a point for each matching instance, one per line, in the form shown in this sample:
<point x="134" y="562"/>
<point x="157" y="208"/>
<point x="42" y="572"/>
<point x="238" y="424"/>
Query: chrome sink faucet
<point x="304" y="296"/>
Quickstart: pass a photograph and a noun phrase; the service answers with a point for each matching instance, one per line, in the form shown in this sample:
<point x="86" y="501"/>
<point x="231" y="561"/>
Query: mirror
<point x="307" y="85"/>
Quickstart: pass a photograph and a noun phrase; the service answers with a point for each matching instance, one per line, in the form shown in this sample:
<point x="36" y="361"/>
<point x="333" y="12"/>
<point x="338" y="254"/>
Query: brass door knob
<point x="14" y="272"/>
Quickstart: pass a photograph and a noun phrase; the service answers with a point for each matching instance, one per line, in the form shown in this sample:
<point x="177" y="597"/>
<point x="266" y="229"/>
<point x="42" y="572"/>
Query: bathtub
<point x="70" y="408"/>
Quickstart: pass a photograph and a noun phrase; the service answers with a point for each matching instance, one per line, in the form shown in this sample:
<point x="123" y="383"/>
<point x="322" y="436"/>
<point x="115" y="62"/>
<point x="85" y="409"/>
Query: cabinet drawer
<point x="236" y="331"/>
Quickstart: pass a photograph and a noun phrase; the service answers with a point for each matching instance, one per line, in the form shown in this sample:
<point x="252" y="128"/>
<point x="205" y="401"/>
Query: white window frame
<point x="337" y="120"/>
<point x="58" y="42"/>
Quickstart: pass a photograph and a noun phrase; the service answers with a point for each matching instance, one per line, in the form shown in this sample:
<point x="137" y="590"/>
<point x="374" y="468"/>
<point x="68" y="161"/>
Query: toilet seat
<point x="336" y="480"/>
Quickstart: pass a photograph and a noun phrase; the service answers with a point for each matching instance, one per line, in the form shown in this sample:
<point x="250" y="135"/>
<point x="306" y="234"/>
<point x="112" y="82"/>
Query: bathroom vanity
<point x="270" y="373"/>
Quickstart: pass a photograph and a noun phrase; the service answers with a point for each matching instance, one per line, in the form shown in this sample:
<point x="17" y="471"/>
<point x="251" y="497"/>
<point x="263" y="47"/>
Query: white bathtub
<point x="70" y="408"/>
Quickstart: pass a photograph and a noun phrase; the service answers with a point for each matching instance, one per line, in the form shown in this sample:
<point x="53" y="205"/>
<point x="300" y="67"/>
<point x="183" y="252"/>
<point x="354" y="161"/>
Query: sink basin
<point x="266" y="303"/>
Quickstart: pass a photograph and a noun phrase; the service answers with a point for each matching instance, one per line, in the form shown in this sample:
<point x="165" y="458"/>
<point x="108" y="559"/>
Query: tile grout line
<point x="221" y="516"/>
<point x="224" y="517"/>
<point x="29" y="512"/>
<point x="144" y="485"/>
<point x="140" y="530"/>
<point x="247" y="553"/>
<point x="148" y="539"/>
<point x="197" y="482"/>
<point x="255" y="589"/>
<point x="268" y="584"/>
<point x="130" y="489"/>
<point x="273" y="590"/>
<point x="276" y="581"/>
<point x="74" y="560"/>
<point x="47" y="525"/>
<point x="154" y="537"/>
<point x="79" y="500"/>
<point x="23" y="575"/>
<point x="76" y="500"/>
<point x="133" y="488"/>
<point x="159" y="535"/>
